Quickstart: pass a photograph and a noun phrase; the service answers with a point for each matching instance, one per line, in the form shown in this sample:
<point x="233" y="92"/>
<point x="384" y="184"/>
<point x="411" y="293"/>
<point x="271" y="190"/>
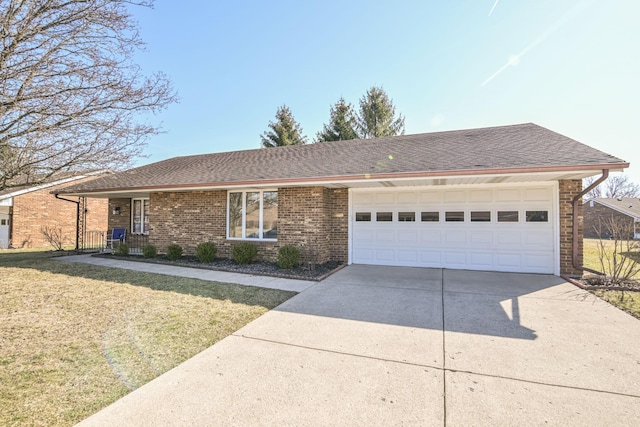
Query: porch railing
<point x="136" y="242"/>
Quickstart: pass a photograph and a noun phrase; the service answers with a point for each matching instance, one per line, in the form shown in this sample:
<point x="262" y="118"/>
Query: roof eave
<point x="345" y="179"/>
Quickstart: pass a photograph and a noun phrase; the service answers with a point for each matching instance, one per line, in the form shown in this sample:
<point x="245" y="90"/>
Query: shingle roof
<point x="626" y="205"/>
<point x="53" y="180"/>
<point x="502" y="149"/>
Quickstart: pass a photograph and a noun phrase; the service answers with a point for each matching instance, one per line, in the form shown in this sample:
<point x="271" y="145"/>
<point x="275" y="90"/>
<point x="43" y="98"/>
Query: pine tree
<point x="284" y="131"/>
<point x="341" y="125"/>
<point x="377" y="115"/>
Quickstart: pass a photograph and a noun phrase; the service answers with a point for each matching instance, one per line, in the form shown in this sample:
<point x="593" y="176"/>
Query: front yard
<point x="75" y="337"/>
<point x="627" y="301"/>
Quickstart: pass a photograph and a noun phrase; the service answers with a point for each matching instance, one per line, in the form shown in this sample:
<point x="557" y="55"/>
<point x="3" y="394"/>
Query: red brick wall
<point x="568" y="189"/>
<point x="37" y="209"/>
<point x="594" y="218"/>
<point x="314" y="219"/>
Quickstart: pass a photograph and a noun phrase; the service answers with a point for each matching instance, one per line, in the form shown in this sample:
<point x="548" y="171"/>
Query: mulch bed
<point x="314" y="272"/>
<point x="595" y="282"/>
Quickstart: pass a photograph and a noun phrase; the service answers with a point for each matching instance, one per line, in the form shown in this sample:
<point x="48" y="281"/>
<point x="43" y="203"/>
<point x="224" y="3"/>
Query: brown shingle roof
<point x="626" y="205"/>
<point x="524" y="146"/>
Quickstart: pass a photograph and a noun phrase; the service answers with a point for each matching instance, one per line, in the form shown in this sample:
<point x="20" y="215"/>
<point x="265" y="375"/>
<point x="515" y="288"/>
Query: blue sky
<point x="571" y="66"/>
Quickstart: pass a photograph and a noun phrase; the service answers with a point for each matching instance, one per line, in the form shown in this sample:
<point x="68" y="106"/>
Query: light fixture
<point x="116" y="210"/>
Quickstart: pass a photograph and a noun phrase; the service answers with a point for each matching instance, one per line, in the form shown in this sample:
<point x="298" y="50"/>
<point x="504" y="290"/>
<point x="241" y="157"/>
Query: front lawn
<point x="75" y="337"/>
<point x="628" y="301"/>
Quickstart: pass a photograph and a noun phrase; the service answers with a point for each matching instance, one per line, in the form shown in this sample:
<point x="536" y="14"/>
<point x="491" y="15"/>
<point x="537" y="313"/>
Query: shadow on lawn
<point x="45" y="262"/>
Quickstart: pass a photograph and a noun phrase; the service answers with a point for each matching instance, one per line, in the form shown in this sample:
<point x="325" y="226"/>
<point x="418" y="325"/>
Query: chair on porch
<point x="118" y="235"/>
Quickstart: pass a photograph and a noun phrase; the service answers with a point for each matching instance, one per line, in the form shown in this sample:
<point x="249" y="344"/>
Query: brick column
<point x="568" y="189"/>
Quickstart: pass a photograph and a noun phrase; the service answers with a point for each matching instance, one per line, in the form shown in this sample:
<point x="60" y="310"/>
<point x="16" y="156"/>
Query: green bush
<point x="244" y="253"/>
<point x="206" y="252"/>
<point x="121" y="249"/>
<point x="288" y="257"/>
<point x="174" y="252"/>
<point x="149" y="251"/>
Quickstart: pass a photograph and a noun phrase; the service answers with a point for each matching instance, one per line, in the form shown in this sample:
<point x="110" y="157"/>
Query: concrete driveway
<point x="409" y="346"/>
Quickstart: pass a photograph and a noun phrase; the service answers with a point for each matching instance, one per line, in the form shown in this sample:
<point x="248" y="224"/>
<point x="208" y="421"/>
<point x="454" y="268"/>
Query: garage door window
<point x="384" y="216"/>
<point x="456" y="216"/>
<point x="363" y="216"/>
<point x="507" y="216"/>
<point x="481" y="216"/>
<point x="430" y="216"/>
<point x="406" y="216"/>
<point x="537" y="216"/>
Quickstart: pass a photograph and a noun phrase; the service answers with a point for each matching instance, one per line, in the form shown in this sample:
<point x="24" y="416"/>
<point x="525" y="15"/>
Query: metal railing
<point x="136" y="242"/>
<point x="92" y="241"/>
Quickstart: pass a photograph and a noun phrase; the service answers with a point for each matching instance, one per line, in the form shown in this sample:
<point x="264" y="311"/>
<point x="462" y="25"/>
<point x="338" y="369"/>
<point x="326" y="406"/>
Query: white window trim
<point x="141" y="199"/>
<point x="244" y="214"/>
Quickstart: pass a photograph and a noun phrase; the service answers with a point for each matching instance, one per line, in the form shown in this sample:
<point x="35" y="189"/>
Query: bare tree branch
<point x="614" y="187"/>
<point x="70" y="93"/>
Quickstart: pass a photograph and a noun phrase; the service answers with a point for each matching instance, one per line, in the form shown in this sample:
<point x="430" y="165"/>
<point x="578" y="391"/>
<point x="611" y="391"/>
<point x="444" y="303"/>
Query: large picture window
<point x="140" y="216"/>
<point x="252" y="215"/>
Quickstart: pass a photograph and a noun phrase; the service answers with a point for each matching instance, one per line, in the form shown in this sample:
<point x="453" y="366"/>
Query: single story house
<point x="26" y="210"/>
<point x="500" y="198"/>
<point x="624" y="211"/>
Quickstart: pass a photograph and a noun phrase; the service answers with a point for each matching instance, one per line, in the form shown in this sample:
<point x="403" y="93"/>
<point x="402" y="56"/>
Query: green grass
<point x="75" y="337"/>
<point x="628" y="301"/>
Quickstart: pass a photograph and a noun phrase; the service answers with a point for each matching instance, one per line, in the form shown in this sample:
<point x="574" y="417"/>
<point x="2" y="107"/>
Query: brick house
<point x="26" y="210"/>
<point x="623" y="210"/>
<point x="500" y="198"/>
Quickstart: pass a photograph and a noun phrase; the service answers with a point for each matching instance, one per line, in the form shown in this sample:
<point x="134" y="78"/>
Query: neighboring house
<point x="599" y="212"/>
<point x="482" y="199"/>
<point x="26" y="210"/>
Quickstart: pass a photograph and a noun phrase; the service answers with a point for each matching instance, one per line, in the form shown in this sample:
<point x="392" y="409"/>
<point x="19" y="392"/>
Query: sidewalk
<point x="196" y="273"/>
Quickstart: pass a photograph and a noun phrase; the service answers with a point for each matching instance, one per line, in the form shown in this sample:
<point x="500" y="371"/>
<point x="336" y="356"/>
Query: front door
<point x="4" y="231"/>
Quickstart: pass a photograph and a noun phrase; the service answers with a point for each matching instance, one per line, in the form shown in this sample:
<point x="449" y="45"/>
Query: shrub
<point x="121" y="249"/>
<point x="206" y="252"/>
<point x="174" y="252"/>
<point x="244" y="253"/>
<point x="149" y="251"/>
<point x="288" y="257"/>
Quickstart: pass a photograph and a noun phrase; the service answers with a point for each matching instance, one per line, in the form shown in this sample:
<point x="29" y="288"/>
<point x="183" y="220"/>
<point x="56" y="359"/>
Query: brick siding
<point x="594" y="217"/>
<point x="314" y="219"/>
<point x="568" y="189"/>
<point x="37" y="209"/>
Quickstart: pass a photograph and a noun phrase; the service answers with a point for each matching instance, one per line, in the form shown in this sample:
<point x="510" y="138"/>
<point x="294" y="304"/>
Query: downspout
<point x="77" y="215"/>
<point x="574" y="213"/>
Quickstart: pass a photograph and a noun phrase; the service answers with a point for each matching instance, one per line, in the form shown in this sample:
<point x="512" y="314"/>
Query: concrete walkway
<point x="408" y="346"/>
<point x="195" y="273"/>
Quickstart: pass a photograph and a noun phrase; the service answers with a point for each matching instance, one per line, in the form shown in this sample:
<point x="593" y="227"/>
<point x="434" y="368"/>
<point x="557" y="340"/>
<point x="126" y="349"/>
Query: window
<point x="406" y="216"/>
<point x="363" y="216"/>
<point x="481" y="216"/>
<point x="3" y="221"/>
<point x="430" y="216"/>
<point x="537" y="216"/>
<point x="457" y="216"/>
<point x="252" y="215"/>
<point x="508" y="216"/>
<point x="384" y="216"/>
<point x="140" y="216"/>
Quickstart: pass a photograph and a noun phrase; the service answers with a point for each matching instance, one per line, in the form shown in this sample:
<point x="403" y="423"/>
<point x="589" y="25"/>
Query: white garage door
<point x="500" y="229"/>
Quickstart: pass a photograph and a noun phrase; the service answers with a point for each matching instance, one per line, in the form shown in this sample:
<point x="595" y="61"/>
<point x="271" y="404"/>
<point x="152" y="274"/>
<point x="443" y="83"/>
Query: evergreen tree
<point x="284" y="131"/>
<point x="341" y="125"/>
<point x="377" y="116"/>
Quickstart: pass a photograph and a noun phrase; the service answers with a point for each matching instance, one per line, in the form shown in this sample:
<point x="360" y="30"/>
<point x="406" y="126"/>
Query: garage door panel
<point x="480" y="260"/>
<point x="455" y="259"/>
<point x="431" y="258"/>
<point x="503" y="246"/>
<point x="453" y="237"/>
<point x="481" y="239"/>
<point x="431" y="237"/>
<point x="385" y="255"/>
<point x="406" y="236"/>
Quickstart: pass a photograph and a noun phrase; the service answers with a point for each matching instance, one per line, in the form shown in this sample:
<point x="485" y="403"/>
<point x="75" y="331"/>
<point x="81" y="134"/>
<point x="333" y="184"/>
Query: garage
<point x="498" y="228"/>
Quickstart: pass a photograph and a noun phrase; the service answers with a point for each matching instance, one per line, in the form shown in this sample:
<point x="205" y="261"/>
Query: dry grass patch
<point x="627" y="301"/>
<point x="75" y="337"/>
